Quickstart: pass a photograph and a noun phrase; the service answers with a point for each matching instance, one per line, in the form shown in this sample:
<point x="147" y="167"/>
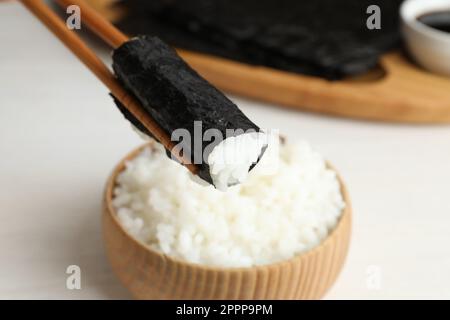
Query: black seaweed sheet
<point x="326" y="38"/>
<point x="175" y="96"/>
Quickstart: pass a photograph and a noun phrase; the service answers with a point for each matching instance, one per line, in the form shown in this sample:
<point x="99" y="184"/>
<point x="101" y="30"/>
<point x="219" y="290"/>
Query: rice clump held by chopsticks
<point x="269" y="218"/>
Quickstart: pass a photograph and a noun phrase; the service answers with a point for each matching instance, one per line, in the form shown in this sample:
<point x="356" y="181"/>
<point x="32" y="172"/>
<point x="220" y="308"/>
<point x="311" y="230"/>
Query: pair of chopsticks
<point x="114" y="37"/>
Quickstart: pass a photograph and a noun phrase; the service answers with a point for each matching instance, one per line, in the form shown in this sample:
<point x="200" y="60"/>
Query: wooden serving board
<point x="398" y="91"/>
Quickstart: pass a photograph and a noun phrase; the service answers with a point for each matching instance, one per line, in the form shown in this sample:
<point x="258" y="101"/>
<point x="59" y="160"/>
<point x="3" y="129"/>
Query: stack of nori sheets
<point x="325" y="38"/>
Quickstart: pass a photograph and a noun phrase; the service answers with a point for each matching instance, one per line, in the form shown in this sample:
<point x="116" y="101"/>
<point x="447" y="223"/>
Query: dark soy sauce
<point x="439" y="20"/>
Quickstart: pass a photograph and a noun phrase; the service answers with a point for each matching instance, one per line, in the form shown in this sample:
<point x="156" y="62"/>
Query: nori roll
<point x="215" y="133"/>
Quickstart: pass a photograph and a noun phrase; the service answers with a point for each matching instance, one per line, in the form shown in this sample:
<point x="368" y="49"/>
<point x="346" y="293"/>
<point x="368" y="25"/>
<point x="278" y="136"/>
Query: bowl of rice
<point x="283" y="235"/>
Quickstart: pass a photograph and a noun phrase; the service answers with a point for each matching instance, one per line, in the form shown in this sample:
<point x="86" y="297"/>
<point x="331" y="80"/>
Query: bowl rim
<point x="419" y="27"/>
<point x="108" y="196"/>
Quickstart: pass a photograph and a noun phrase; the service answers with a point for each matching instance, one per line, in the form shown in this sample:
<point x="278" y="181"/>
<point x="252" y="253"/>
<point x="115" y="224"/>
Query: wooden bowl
<point x="149" y="274"/>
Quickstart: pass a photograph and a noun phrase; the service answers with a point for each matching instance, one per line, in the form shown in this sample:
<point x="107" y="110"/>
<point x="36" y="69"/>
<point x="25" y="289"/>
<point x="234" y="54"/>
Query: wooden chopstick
<point x="93" y="62"/>
<point x="97" y="23"/>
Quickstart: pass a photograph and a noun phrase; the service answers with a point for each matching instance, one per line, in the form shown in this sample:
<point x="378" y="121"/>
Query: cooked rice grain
<point x="268" y="218"/>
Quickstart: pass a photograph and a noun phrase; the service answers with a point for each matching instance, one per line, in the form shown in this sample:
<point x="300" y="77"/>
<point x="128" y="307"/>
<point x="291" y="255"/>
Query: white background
<point x="60" y="136"/>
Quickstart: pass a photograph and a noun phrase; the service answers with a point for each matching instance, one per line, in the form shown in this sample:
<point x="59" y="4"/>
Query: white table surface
<point x="60" y="136"/>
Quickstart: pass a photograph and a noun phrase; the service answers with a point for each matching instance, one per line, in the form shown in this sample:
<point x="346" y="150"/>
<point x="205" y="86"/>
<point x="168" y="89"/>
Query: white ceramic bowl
<point x="428" y="46"/>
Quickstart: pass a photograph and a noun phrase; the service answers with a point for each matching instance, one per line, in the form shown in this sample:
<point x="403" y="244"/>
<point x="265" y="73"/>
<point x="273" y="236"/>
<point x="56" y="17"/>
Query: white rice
<point x="266" y="219"/>
<point x="230" y="160"/>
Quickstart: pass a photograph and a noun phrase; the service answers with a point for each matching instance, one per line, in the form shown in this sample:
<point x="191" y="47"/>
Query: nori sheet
<point x="174" y="95"/>
<point x="325" y="38"/>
